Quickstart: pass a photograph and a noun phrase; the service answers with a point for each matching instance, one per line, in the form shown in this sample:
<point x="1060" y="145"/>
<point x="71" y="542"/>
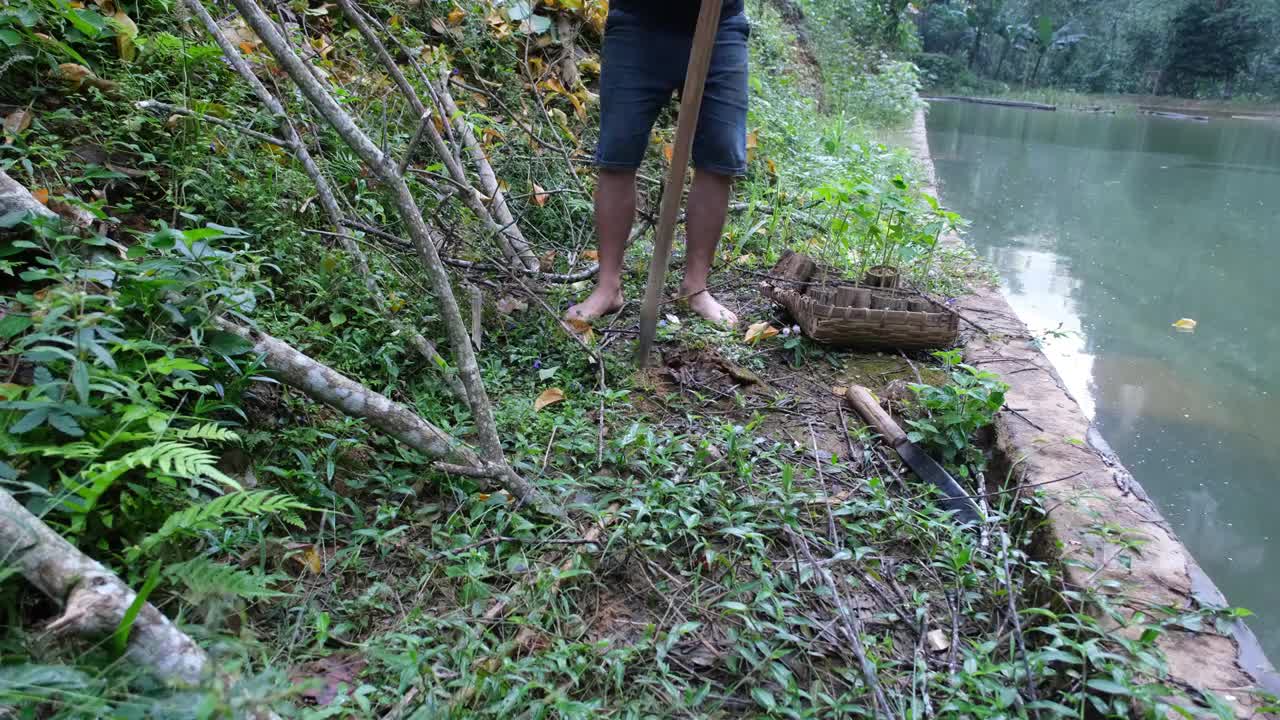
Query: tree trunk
<point x="976" y="49"/>
<point x="94" y="599"/>
<point x="567" y="29"/>
<point x="1004" y="55"/>
<point x="1035" y="73"/>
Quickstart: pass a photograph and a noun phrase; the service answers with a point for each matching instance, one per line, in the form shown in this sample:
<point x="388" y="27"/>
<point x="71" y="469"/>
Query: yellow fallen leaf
<point x="74" y="74"/>
<point x="15" y="123"/>
<point x="592" y="255"/>
<point x="580" y="327"/>
<point x="1185" y="325"/>
<point x="539" y="195"/>
<point x="456" y="16"/>
<point x="310" y="559"/>
<point x="839" y="390"/>
<point x="550" y="396"/>
<point x="125" y="33"/>
<point x="41" y="195"/>
<point x="759" y="331"/>
<point x="668" y="151"/>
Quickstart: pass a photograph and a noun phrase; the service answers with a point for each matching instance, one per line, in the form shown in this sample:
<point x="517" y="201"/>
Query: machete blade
<point x="954" y="497"/>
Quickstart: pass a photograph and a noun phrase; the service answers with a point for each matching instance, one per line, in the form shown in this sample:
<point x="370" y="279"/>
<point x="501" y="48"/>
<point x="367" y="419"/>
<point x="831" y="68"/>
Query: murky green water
<point x="1112" y="228"/>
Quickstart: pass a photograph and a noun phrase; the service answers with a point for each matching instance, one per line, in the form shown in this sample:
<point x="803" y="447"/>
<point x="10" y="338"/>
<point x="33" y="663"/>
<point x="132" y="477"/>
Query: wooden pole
<point x="704" y="42"/>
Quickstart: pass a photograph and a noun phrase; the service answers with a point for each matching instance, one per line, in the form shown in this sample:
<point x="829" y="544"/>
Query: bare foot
<point x="709" y="308"/>
<point x="598" y="304"/>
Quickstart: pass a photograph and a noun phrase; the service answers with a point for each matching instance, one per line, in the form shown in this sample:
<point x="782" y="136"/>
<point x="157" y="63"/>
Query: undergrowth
<point x="335" y="573"/>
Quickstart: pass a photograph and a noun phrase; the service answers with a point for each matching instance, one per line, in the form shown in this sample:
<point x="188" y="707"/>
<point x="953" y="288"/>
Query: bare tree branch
<point x="498" y="221"/>
<point x="177" y="110"/>
<point x="324" y="192"/>
<point x="423" y="239"/>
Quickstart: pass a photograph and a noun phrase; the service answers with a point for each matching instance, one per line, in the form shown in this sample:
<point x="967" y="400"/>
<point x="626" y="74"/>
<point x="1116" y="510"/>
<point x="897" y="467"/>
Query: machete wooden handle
<point x="865" y="403"/>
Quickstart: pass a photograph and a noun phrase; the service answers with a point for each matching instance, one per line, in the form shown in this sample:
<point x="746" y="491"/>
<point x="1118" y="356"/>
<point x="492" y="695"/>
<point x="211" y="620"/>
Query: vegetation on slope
<point x="727" y="550"/>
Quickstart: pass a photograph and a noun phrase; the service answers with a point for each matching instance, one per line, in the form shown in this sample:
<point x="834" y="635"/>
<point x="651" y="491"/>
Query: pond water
<point x="1109" y="228"/>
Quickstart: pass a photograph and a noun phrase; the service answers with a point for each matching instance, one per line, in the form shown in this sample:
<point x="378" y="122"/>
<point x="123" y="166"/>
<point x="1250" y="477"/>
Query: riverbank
<point x="1044" y="98"/>
<point x="1102" y="529"/>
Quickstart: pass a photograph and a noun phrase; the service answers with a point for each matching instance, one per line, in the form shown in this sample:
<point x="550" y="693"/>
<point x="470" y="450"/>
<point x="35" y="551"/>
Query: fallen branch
<point x="324" y="384"/>
<point x="94" y="599"/>
<point x="324" y="192"/>
<point x="186" y="112"/>
<point x="15" y="198"/>
<point x="406" y="206"/>
<point x="851" y="626"/>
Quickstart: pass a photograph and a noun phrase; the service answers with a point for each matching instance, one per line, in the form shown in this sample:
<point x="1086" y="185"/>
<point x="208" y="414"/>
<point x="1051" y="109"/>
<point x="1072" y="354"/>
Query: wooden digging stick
<point x="695" y="81"/>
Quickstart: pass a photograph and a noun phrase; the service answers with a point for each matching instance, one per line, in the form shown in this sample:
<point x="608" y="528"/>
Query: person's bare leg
<point x="708" y="206"/>
<point x="615" y="212"/>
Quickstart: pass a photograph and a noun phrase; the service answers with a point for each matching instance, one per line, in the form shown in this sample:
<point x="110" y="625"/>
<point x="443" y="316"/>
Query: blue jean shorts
<point x="642" y="66"/>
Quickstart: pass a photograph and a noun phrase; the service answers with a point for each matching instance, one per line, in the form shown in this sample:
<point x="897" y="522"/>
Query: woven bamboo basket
<point x="837" y="312"/>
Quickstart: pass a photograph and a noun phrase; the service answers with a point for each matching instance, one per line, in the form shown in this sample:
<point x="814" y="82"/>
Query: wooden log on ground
<point x="94" y="599"/>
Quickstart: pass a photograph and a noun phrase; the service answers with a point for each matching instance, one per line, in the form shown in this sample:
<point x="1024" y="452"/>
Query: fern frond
<point x="240" y="505"/>
<point x="204" y="579"/>
<point x="208" y="431"/>
<point x="179" y="459"/>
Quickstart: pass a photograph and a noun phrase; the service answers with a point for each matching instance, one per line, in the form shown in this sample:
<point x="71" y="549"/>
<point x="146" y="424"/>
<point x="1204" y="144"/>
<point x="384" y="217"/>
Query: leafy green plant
<point x="957" y="409"/>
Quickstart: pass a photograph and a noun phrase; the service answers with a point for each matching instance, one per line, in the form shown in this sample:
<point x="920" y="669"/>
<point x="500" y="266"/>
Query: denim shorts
<point x="643" y="65"/>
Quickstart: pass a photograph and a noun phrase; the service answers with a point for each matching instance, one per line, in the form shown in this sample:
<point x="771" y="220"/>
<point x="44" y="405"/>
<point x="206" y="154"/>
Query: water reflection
<point x="1110" y="228"/>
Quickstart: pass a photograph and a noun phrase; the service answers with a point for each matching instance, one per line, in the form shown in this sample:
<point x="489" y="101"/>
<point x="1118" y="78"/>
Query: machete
<point x="695" y="81"/>
<point x="954" y="497"/>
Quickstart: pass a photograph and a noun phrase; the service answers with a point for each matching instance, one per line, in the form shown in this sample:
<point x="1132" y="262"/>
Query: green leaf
<point x="80" y="379"/>
<point x="66" y="424"/>
<point x="10" y="38"/>
<point x="1108" y="686"/>
<point x="120" y="638"/>
<point x="30" y="421"/>
<point x="764" y="698"/>
<point x="225" y="343"/>
<point x="337" y="318"/>
<point x="12" y="324"/>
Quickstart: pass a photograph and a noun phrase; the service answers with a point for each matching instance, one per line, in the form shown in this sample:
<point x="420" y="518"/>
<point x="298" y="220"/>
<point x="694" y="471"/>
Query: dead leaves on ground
<point x="509" y="304"/>
<point x="759" y="331"/>
<point x="322" y="679"/>
<point x="550" y="396"/>
<point x="77" y="77"/>
<point x="540" y="195"/>
<point x="16" y="123"/>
